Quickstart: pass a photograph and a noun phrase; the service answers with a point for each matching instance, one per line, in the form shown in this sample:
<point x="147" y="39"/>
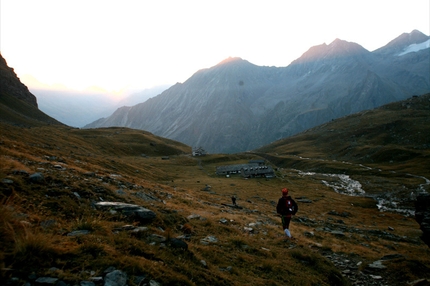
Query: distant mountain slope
<point x="17" y="105"/>
<point x="409" y="58"/>
<point x="237" y="106"/>
<point x="216" y="99"/>
<point x="78" y="108"/>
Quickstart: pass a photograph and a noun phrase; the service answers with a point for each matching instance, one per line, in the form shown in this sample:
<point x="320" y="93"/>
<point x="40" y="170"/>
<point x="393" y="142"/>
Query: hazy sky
<point x="126" y="44"/>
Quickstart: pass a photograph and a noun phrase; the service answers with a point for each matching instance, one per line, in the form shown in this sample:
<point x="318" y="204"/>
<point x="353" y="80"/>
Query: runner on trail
<point x="286" y="208"/>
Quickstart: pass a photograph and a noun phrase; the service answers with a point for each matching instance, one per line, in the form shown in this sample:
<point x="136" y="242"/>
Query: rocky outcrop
<point x="10" y="84"/>
<point x="422" y="216"/>
<point x="18" y="106"/>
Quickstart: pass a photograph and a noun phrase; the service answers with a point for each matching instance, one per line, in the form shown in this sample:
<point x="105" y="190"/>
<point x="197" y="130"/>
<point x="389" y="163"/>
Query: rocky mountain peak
<point x="229" y="65"/>
<point x="402" y="41"/>
<point x="415" y="37"/>
<point x="225" y="71"/>
<point x="233" y="63"/>
<point x="337" y="48"/>
<point x="343" y="48"/>
<point x="230" y="60"/>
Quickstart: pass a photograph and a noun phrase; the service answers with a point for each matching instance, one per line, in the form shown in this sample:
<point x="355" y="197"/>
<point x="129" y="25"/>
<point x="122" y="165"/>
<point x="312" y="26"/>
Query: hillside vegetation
<point x="51" y="226"/>
<point x="393" y="133"/>
<point x="388" y="142"/>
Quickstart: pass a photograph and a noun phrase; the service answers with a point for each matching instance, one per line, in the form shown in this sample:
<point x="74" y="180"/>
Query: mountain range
<point x="237" y="106"/>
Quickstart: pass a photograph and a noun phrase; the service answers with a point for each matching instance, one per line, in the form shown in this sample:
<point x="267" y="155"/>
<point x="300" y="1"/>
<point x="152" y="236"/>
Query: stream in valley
<point x="392" y="200"/>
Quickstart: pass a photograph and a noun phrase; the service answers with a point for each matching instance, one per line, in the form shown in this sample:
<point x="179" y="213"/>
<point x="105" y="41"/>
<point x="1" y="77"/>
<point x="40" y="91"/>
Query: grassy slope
<point x="258" y="258"/>
<point x="393" y="135"/>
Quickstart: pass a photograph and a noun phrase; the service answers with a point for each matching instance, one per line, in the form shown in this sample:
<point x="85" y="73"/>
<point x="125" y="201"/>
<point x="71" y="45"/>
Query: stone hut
<point x="258" y="171"/>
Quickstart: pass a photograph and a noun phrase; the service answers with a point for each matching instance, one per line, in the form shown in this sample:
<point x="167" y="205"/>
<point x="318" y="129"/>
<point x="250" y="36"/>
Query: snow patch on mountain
<point x="415" y="48"/>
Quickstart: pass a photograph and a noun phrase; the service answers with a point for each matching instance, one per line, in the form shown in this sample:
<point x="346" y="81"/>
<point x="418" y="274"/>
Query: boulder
<point x="134" y="212"/>
<point x="46" y="281"/>
<point x="116" y="278"/>
<point x="36" y="178"/>
<point x="178" y="244"/>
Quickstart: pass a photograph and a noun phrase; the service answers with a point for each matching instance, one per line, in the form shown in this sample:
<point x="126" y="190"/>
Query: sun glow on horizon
<point x="117" y="46"/>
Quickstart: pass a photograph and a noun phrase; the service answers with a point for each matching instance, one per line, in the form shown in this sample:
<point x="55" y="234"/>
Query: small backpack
<point x="290" y="206"/>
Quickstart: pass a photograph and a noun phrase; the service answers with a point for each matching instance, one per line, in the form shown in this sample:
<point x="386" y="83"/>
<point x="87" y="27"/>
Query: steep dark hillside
<point x="17" y="105"/>
<point x="236" y="106"/>
<point x="11" y="85"/>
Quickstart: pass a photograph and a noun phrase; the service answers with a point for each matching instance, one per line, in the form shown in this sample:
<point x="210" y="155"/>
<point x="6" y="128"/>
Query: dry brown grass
<point x="261" y="257"/>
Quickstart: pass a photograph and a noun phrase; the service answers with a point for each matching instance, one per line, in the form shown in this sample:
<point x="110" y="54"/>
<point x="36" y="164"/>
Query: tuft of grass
<point x="90" y="224"/>
<point x="33" y="248"/>
<point x="238" y="242"/>
<point x="8" y="229"/>
<point x="92" y="248"/>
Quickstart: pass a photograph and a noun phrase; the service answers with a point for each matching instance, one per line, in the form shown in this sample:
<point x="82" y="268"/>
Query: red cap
<point x="285" y="191"/>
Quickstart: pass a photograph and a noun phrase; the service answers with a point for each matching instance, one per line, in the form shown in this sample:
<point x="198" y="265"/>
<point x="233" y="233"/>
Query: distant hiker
<point x="233" y="200"/>
<point x="286" y="208"/>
